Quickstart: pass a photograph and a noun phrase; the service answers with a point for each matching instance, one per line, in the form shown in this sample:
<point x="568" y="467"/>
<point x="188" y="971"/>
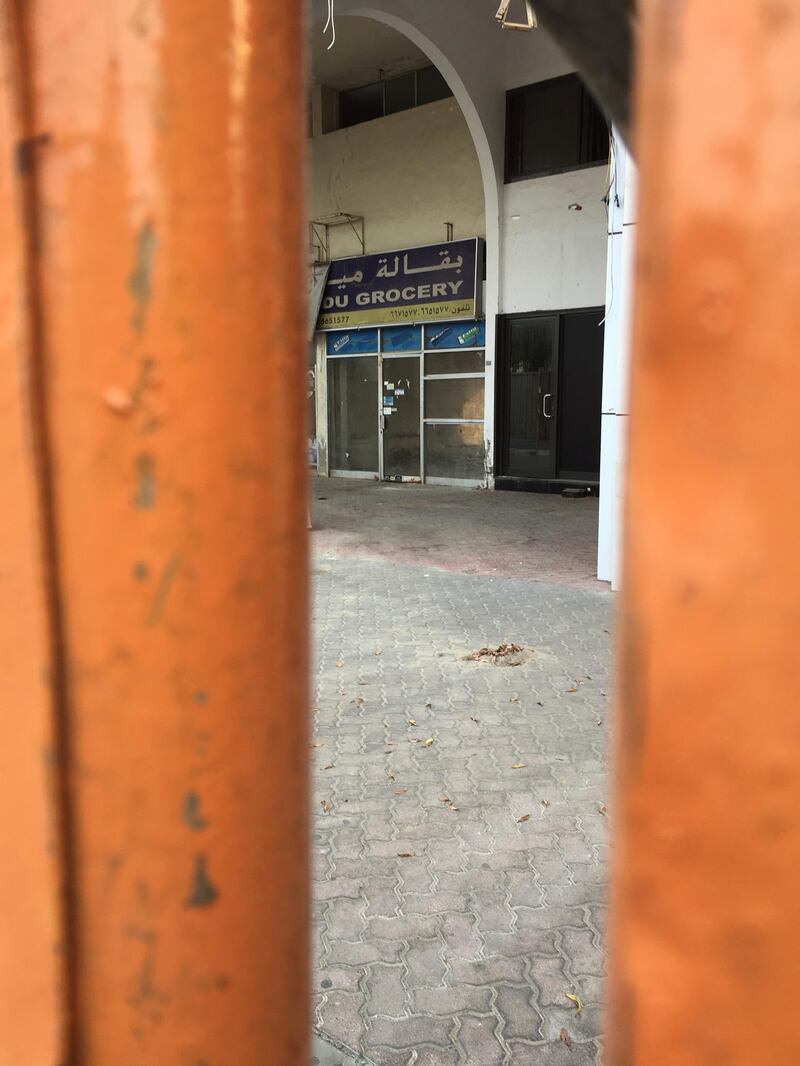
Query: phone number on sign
<point x="335" y="320"/>
<point x="431" y="311"/>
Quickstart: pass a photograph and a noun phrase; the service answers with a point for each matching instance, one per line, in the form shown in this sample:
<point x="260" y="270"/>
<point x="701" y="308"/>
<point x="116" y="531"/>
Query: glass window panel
<point x="594" y="131"/>
<point x="553" y="126"/>
<point x="361" y="105"/>
<point x="456" y="335"/>
<point x="454" y="362"/>
<point x="353" y="414"/>
<point x="455" y="451"/>
<point x="401" y="339"/>
<point x="400" y="93"/>
<point x="457" y="398"/>
<point x="352" y="341"/>
<point x="431" y="86"/>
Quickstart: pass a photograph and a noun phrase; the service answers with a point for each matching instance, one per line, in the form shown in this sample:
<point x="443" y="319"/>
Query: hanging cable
<point x="330" y="23"/>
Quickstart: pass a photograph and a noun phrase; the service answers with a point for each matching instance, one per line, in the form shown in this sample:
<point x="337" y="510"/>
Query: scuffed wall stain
<point x="160" y="598"/>
<point x="145" y="497"/>
<point x="26" y="152"/>
<point x="141" y="571"/>
<point x="192" y="812"/>
<point x="202" y="892"/>
<point x="140" y="282"/>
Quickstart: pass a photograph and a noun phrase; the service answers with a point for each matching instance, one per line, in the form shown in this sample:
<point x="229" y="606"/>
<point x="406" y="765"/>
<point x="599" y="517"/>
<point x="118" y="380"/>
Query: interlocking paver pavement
<point x="458" y="884"/>
<point x="536" y="536"/>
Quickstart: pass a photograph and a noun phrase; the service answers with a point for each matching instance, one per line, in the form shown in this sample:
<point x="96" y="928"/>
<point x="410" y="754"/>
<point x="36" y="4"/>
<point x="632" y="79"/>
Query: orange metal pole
<point x="32" y="960"/>
<point x="707" y="919"/>
<point x="164" y="155"/>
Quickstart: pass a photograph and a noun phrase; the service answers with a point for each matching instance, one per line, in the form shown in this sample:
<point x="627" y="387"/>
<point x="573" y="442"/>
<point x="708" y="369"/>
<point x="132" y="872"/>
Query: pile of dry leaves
<point x="494" y="655"/>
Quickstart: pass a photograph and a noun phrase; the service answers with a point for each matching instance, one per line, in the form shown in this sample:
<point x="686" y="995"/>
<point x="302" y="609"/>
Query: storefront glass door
<point x="406" y="403"/>
<point x="400" y="418"/>
<point x="353" y="382"/>
<point x="530" y="351"/>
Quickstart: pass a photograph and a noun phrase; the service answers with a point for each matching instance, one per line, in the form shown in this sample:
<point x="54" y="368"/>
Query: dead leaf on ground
<point x="519" y="766"/>
<point x="315" y="710"/>
<point x="576" y="1000"/>
<point x="474" y="718"/>
<point x="316" y="744"/>
<point x="330" y="766"/>
<point x="406" y="854"/>
<point x="524" y="818"/>
<point x="445" y="799"/>
<point x="514" y="699"/>
<point x="391" y="776"/>
<point x="452" y="807"/>
<point x="325" y="806"/>
<point x="412" y="721"/>
<point x="572" y="690"/>
<point x="566" y="1038"/>
<point x="601" y="808"/>
<point x="340" y="664"/>
<point x="400" y="791"/>
<point x="378" y="651"/>
<point x="428" y="742"/>
<point x="545" y="803"/>
<point x="493" y="654"/>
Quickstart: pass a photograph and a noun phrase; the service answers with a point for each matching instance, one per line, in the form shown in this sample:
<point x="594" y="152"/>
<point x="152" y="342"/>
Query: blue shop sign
<point x="428" y="284"/>
<point x="458" y="335"/>
<point x="352" y="342"/>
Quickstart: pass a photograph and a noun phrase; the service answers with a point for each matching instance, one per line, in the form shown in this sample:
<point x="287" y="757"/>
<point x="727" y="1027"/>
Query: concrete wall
<point x="407" y="174"/>
<point x="554" y="257"/>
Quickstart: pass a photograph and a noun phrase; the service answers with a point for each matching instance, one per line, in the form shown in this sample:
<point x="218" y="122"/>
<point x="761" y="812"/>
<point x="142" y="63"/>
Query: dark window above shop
<point x="387" y="97"/>
<point x="551" y="127"/>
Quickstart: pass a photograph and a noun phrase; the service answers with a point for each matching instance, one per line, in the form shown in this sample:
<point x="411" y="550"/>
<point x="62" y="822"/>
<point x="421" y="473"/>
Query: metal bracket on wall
<point x="320" y="233"/>
<point x="502" y="17"/>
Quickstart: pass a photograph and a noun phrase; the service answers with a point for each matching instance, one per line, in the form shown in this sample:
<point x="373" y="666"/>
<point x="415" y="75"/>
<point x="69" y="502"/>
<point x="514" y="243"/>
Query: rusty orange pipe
<point x="163" y="156"/>
<point x="707" y="919"/>
<point x="33" y="985"/>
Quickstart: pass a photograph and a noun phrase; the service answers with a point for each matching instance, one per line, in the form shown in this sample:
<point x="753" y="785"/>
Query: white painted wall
<point x="616" y="367"/>
<point x="554" y="258"/>
<point x="407" y="174"/>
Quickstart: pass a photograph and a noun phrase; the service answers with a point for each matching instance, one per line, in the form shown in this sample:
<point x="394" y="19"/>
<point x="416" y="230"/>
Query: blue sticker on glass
<point x="353" y="342"/>
<point x="401" y="338"/>
<point x="456" y="335"/>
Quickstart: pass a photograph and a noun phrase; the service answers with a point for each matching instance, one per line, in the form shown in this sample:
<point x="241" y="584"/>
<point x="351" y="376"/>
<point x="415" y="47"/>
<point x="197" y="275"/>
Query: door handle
<point x="547" y="396"/>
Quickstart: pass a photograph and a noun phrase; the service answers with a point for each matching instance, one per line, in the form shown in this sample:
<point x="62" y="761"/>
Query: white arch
<point x="491" y="176"/>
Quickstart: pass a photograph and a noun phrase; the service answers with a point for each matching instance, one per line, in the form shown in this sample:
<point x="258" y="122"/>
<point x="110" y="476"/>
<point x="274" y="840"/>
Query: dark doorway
<point x="530" y="364"/>
<point x="550" y="380"/>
